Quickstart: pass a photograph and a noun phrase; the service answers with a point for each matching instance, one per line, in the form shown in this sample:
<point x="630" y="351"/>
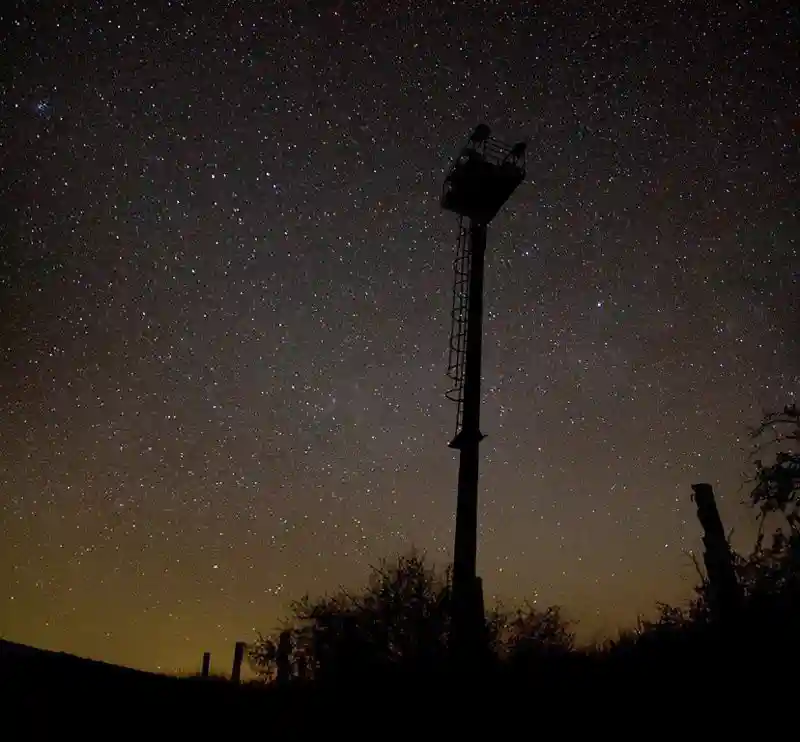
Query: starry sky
<point x="225" y="283"/>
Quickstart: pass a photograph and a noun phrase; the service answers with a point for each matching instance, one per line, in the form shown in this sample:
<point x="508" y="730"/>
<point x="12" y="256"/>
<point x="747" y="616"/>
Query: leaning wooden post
<point x="238" y="656"/>
<point x="717" y="556"/>
<point x="206" y="664"/>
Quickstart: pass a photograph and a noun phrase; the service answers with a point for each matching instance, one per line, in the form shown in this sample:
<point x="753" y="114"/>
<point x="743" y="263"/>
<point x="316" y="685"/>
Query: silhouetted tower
<point x="482" y="178"/>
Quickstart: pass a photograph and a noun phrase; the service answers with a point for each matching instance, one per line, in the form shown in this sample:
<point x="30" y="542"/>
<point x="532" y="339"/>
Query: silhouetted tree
<point x="771" y="574"/>
<point x="777" y="484"/>
<point x="400" y="620"/>
<point x="402" y="617"/>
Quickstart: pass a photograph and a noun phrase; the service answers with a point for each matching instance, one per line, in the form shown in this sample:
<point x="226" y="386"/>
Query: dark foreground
<point x="44" y="692"/>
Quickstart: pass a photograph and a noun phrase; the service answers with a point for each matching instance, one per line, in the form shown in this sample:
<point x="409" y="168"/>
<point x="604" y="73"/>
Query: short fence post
<point x="238" y="656"/>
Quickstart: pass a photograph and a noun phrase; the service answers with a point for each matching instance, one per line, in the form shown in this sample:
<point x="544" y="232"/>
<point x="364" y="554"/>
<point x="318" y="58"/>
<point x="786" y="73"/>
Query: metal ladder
<point x="458" y="321"/>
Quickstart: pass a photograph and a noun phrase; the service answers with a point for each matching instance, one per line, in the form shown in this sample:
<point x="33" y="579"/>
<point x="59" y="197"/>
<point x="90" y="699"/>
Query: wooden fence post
<point x="717" y="556"/>
<point x="238" y="656"/>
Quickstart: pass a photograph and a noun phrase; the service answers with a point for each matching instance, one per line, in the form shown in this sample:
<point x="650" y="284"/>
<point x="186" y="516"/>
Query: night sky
<point x="225" y="283"/>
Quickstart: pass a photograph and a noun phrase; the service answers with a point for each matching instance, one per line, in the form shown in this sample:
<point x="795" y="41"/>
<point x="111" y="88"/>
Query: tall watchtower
<point x="481" y="179"/>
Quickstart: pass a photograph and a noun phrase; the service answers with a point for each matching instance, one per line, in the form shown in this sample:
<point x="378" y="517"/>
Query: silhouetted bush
<point x="399" y="623"/>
